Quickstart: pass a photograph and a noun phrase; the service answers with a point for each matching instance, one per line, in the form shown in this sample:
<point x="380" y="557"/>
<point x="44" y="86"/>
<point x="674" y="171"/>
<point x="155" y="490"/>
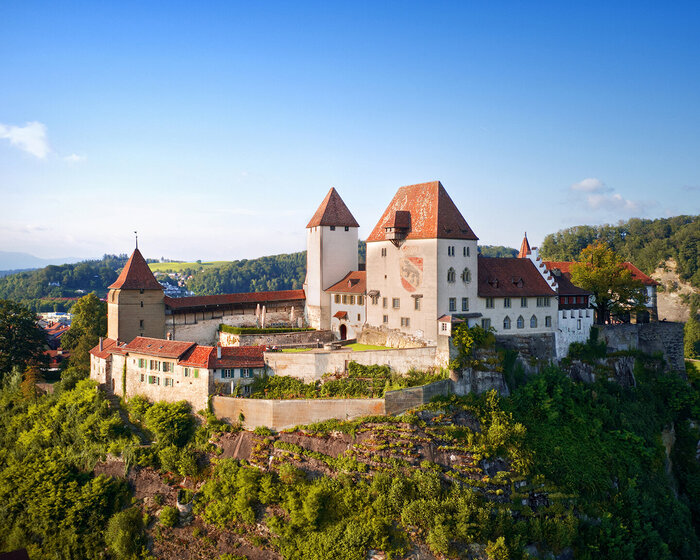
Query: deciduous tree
<point x="21" y="340"/>
<point x="88" y="324"/>
<point x="600" y="271"/>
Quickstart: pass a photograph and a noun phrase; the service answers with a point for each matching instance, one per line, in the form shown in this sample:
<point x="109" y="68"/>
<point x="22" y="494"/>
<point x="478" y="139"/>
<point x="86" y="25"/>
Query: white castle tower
<point x="331" y="252"/>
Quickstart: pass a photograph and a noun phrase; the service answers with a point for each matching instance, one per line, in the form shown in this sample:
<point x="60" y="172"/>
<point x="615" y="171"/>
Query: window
<point x="466" y="276"/>
<point x="405" y="322"/>
<point x="506" y="323"/>
<point x="395" y="303"/>
<point x="352" y="300"/>
<point x="451" y="275"/>
<point x="453" y="304"/>
<point x="141" y="323"/>
<point x="587" y="313"/>
<point x="345" y="299"/>
<point x="226" y="373"/>
<point x="523" y="302"/>
<point x="142" y="377"/>
<point x="337" y="298"/>
<point x="580" y="312"/>
<point x="521" y="322"/>
<point x="375" y="300"/>
<point x="451" y="251"/>
<point x="186" y="372"/>
<point x="416" y="303"/>
<point x="465" y="251"/>
<point x="347" y="228"/>
<point x="578" y="324"/>
<point x="506" y="302"/>
<point x="385" y="318"/>
<point x="384" y="303"/>
<point x="383" y="251"/>
<point x="533" y="322"/>
<point x="465" y="304"/>
<point x="141" y="304"/>
<point x="153" y="380"/>
<point x="563" y="314"/>
<point x="332" y="228"/>
<point x="360" y="300"/>
<point x="154" y="364"/>
<point x="548" y="321"/>
<point x="443" y="326"/>
<point x="195" y="373"/>
<point x="141" y="291"/>
<point x="486" y="324"/>
<point x="246" y="372"/>
<point x="542" y="302"/>
<point x="167" y="366"/>
<point x="489" y="303"/>
<point x="168" y="382"/>
<point x="142" y="363"/>
<point x="358" y="317"/>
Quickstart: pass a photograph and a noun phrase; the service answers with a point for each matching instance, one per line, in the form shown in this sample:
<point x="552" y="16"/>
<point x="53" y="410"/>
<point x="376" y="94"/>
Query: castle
<point x="423" y="275"/>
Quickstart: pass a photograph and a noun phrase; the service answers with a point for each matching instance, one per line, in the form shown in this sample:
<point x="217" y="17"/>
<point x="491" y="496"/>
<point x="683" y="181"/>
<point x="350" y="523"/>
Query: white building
<point x="348" y="305"/>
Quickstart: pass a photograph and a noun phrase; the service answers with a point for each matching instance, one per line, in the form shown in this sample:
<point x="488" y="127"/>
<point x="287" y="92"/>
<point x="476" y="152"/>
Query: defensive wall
<point x="541" y="346"/>
<point x="291" y="339"/>
<point x="311" y="365"/>
<point x="284" y="414"/>
<point x="661" y="336"/>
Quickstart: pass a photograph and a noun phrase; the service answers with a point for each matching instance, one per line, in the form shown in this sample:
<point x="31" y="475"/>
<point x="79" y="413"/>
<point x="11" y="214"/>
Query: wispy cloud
<point x="598" y="196"/>
<point x="691" y="188"/>
<point x="30" y="138"/>
<point x="74" y="158"/>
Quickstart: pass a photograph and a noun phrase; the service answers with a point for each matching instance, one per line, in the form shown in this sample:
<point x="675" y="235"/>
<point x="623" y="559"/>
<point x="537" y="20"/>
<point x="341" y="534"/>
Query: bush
<point x="125" y="536"/>
<point x="171" y="423"/>
<point x="262" y="431"/>
<point x="168" y="516"/>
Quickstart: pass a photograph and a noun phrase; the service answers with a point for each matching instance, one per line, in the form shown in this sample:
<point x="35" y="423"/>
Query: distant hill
<point x="646" y="243"/>
<point x="13" y="261"/>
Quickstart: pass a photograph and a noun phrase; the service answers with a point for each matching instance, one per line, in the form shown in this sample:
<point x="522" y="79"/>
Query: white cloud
<point x="74" y="158"/>
<point x="31" y="138"/>
<point x="590" y="185"/>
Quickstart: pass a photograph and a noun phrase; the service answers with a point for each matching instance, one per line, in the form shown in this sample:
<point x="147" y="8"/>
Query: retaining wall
<point x="311" y="365"/>
<point x="276" y="339"/>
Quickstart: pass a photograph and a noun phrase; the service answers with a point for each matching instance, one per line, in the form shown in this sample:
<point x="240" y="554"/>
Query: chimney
<point x="218" y="352"/>
<point x="101" y="345"/>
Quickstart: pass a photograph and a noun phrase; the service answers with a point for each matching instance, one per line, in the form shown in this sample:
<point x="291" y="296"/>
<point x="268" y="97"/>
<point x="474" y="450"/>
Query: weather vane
<point x="136" y="233"/>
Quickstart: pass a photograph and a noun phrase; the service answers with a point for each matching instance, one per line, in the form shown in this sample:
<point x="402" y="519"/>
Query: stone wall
<point x="311" y="365"/>
<point x="276" y="339"/>
<point x="540" y="346"/>
<point x="662" y="336"/>
<point x="393" y="338"/>
<point x="284" y="414"/>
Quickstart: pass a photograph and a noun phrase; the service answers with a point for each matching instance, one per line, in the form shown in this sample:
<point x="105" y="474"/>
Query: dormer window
<point x="396" y="230"/>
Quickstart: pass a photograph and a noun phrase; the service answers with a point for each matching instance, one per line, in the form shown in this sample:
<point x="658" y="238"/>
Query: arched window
<point x="533" y="322"/>
<point x="506" y="323"/>
<point x="521" y="322"/>
<point x="451" y="275"/>
<point x="466" y="276"/>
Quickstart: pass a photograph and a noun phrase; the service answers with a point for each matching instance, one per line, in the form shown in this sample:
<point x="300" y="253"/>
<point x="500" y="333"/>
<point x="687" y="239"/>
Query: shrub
<point x="125" y="535"/>
<point x="171" y="423"/>
<point x="262" y="431"/>
<point x="168" y="516"/>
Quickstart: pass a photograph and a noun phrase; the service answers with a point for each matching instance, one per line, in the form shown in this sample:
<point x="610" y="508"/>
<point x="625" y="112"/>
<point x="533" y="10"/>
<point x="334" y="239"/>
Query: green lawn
<point x="180" y="266"/>
<point x="292" y="350"/>
<point x="360" y="347"/>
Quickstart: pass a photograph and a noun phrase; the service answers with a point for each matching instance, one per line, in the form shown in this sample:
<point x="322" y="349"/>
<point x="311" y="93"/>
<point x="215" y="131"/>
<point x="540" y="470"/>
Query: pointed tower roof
<point x="136" y="275"/>
<point x="432" y="214"/>
<point x="524" y="248"/>
<point x="333" y="212"/>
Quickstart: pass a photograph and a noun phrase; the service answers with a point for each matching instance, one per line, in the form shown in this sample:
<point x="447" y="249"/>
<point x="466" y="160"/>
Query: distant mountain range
<point x="24" y="261"/>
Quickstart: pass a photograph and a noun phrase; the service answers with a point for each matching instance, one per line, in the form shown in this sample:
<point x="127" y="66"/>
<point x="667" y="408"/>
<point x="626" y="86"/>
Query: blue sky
<point x="215" y="129"/>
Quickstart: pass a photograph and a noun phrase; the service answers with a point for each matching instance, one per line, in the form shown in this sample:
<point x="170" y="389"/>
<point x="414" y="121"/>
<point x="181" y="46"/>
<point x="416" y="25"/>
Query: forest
<point x="646" y="243"/>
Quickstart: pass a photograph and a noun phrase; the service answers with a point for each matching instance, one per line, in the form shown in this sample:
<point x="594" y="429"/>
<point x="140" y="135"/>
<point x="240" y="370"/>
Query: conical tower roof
<point x="524" y="248"/>
<point x="136" y="275"/>
<point x="333" y="212"/>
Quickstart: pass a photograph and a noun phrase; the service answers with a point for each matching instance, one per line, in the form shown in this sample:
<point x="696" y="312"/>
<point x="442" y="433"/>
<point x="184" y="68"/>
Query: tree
<point x="600" y="271"/>
<point x="692" y="336"/>
<point x="32" y="376"/>
<point x="21" y="340"/>
<point x="89" y="323"/>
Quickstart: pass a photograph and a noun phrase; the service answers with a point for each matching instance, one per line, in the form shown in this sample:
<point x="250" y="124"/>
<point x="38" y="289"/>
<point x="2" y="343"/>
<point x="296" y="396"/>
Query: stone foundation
<point x="393" y="338"/>
<point x="536" y="346"/>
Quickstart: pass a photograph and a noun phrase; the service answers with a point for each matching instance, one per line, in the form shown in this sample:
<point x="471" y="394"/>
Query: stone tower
<point x="135" y="305"/>
<point x="331" y="252"/>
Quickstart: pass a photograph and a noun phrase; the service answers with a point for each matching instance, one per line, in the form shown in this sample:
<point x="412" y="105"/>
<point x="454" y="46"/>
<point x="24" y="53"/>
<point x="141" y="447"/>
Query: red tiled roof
<point x="565" y="267"/>
<point x="341" y="315"/>
<point x="198" y="356"/>
<point x="506" y="277"/>
<point x="136" y="275"/>
<point x="524" y="248"/>
<point x="158" y="347"/>
<point x="195" y="302"/>
<point x="332" y="212"/>
<point x="354" y="282"/>
<point x="432" y="214"/>
<point x="109" y="346"/>
<point x="240" y="356"/>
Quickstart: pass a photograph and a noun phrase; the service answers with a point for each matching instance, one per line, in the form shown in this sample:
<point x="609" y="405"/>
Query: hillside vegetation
<point x="646" y="243"/>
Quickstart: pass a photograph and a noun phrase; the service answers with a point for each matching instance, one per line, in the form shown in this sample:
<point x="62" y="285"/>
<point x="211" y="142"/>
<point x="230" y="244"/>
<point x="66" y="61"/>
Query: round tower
<point x="331" y="252"/>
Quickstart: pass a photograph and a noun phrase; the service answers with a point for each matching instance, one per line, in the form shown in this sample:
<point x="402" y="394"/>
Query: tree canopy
<point x="21" y="340"/>
<point x="88" y="324"/>
<point x="600" y="271"/>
